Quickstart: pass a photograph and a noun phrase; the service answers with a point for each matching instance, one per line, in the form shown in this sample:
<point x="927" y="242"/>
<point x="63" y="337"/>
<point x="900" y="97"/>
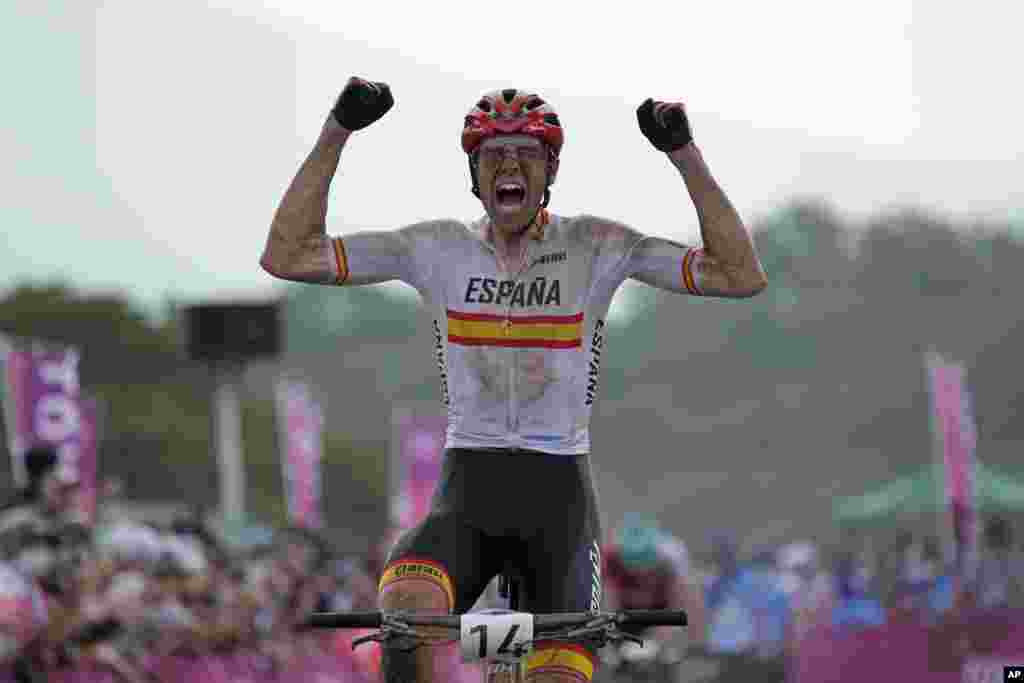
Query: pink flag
<point x="956" y="438"/>
<point x="301" y="425"/>
<point x="421" y="447"/>
<point x="46" y="408"/>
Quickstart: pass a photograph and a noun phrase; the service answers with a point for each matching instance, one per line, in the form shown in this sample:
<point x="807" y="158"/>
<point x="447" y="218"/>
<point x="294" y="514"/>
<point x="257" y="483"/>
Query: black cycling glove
<point x="361" y="103"/>
<point x="668" y="129"/>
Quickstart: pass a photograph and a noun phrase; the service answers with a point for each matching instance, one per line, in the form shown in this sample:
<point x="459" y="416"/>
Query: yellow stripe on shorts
<point x="423" y="570"/>
<point x="566" y="658"/>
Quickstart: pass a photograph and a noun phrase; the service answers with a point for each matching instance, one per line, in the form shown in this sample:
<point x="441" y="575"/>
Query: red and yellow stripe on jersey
<point x="523" y="331"/>
<point x="689" y="280"/>
<point x="416" y="569"/>
<point x="563" y="658"/>
<point x="340" y="260"/>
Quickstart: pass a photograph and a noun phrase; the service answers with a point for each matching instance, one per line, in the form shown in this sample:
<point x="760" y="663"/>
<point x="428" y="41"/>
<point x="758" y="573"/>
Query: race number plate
<point x="495" y="634"/>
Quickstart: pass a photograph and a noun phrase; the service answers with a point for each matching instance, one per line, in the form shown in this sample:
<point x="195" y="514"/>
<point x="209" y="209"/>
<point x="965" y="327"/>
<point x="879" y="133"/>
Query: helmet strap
<point x="475" y="189"/>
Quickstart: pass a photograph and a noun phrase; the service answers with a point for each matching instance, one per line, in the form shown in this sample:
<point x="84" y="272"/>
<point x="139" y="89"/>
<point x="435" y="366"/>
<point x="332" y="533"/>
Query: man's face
<point x="513" y="171"/>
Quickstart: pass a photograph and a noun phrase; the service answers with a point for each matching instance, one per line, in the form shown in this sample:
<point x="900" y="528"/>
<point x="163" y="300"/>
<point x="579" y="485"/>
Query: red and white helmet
<point x="508" y="112"/>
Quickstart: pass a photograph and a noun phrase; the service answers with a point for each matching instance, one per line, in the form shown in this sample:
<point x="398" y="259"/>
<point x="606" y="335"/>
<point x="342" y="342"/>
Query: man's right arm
<point x="298" y="247"/>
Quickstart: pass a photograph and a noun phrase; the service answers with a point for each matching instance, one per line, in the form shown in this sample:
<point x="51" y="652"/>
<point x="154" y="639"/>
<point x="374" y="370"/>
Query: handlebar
<point x="542" y="622"/>
<point x="597" y="628"/>
<point x="653" y="617"/>
<point x="359" y="619"/>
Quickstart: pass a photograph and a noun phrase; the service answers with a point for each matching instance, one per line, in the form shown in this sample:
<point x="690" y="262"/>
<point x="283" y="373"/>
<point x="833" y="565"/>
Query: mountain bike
<point x="499" y="638"/>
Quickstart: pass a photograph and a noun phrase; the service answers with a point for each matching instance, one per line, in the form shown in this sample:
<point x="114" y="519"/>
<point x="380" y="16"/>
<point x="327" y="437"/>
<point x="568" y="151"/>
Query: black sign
<point x="232" y="331"/>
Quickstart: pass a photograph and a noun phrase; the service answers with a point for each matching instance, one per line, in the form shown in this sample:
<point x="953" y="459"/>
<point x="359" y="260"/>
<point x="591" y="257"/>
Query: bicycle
<point x="500" y="638"/>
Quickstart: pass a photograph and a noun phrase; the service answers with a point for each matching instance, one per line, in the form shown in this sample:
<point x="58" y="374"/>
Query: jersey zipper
<point x="513" y="396"/>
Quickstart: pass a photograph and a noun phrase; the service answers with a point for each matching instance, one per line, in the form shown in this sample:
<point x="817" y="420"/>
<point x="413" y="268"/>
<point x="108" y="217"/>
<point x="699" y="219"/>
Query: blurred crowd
<point x="766" y="604"/>
<point x="127" y="596"/>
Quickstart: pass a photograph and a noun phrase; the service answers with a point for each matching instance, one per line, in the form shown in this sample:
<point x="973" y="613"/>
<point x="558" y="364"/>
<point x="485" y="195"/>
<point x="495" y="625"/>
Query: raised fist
<point x="361" y="103"/>
<point x="664" y="124"/>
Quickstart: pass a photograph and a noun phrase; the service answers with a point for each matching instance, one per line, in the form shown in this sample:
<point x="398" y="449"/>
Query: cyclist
<point x="646" y="567"/>
<point x="519" y="298"/>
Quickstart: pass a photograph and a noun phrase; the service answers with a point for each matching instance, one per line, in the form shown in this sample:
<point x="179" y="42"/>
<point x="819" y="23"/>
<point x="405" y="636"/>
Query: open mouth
<point x="510" y="195"/>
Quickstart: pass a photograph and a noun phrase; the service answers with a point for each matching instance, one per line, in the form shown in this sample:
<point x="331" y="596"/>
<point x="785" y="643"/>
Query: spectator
<point x="915" y="574"/>
<point x="932" y="581"/>
<point x="748" y="611"/>
<point x="23" y="614"/>
<point x="356" y="587"/>
<point x="856" y="606"/>
<point x="806" y="586"/>
<point x="1000" y="567"/>
<point x="725" y="555"/>
<point x="46" y="502"/>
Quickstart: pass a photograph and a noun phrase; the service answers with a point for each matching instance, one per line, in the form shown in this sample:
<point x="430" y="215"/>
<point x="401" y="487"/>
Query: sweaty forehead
<point x="517" y="140"/>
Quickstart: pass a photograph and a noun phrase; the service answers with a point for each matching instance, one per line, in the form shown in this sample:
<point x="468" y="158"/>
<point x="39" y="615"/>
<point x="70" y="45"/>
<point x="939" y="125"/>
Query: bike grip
<point x="363" y="619"/>
<point x="653" y="617"/>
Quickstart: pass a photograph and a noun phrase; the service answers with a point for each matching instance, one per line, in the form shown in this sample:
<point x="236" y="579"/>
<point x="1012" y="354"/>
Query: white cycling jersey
<point x="519" y="353"/>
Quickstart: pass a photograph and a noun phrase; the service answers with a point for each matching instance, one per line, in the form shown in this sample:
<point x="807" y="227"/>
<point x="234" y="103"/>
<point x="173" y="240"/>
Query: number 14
<point x="504" y="648"/>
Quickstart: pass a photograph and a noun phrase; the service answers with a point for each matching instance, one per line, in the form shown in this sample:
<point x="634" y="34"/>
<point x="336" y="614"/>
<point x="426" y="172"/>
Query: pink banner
<point x="421" y="449"/>
<point x="954" y="429"/>
<point x="301" y="429"/>
<point x="47" y="409"/>
<point x="956" y="650"/>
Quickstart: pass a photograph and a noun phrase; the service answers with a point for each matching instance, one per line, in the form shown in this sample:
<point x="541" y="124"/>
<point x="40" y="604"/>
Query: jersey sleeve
<point x="371" y="256"/>
<point x="623" y="253"/>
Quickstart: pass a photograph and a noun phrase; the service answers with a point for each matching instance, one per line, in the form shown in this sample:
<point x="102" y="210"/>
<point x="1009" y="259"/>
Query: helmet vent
<point x="509" y="94"/>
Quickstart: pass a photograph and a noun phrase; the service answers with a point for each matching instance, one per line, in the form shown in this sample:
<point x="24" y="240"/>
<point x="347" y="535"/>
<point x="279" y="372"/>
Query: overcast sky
<point x="146" y="144"/>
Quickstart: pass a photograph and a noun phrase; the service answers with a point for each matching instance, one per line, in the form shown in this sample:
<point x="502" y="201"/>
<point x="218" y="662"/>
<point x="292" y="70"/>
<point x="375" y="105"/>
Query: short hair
<point x="39" y="460"/>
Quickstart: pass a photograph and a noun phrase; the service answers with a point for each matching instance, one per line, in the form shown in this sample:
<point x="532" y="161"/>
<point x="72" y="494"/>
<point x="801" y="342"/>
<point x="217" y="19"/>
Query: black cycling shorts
<point x="493" y="509"/>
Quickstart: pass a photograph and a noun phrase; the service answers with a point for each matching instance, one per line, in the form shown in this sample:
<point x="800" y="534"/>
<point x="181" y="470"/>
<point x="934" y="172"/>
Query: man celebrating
<point x="519" y="298"/>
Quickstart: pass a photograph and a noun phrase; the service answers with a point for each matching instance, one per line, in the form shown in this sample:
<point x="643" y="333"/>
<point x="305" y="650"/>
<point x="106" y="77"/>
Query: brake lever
<point x="617" y="636"/>
<point x="592" y="626"/>
<point x="379" y="637"/>
<point x="392" y="629"/>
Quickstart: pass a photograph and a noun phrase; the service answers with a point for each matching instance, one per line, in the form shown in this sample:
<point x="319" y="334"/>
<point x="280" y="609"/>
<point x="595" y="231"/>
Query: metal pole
<point x="7" y="401"/>
<point x="228" y="433"/>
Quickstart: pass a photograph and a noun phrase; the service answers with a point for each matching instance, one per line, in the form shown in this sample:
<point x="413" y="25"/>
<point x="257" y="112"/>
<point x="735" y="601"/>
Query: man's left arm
<point x="728" y="264"/>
